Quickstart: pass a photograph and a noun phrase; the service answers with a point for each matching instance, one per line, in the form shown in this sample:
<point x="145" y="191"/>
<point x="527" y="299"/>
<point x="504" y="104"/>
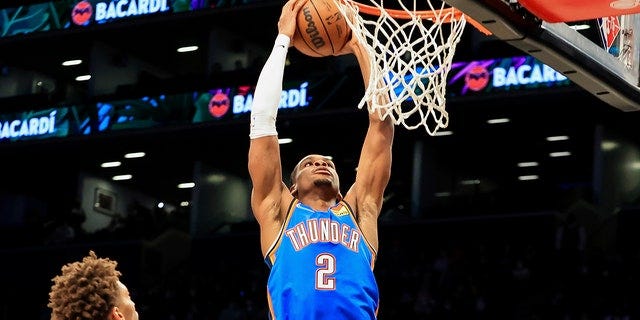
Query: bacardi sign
<point x="103" y="11"/>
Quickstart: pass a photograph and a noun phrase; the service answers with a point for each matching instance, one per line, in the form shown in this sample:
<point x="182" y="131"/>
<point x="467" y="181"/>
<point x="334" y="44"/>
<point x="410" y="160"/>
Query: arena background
<point x="462" y="236"/>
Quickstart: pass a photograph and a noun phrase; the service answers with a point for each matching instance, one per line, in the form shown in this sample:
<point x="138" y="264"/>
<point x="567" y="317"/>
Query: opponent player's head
<point x="315" y="171"/>
<point x="90" y="289"/>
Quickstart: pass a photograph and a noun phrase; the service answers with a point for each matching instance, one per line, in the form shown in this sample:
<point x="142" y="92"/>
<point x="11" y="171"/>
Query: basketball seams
<point x="319" y="32"/>
<point x="307" y="45"/>
<point x="300" y="37"/>
<point x="324" y="27"/>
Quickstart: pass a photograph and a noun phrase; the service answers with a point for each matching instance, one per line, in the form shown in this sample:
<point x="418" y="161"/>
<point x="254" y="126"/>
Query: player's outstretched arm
<point x="264" y="162"/>
<point x="374" y="166"/>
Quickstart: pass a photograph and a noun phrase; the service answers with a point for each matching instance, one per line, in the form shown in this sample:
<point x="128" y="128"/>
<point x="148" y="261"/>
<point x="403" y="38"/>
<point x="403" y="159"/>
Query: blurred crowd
<point x="547" y="265"/>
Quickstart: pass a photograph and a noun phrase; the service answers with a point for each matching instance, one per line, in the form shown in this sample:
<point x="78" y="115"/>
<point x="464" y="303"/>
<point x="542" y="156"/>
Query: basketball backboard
<point x="595" y="43"/>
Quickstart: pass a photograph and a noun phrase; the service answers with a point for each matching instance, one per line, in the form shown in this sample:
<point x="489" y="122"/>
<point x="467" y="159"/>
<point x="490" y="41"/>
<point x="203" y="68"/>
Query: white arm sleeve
<point x="268" y="91"/>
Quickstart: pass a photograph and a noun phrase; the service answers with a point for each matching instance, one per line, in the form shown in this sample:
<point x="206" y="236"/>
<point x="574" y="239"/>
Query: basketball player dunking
<point x="320" y="246"/>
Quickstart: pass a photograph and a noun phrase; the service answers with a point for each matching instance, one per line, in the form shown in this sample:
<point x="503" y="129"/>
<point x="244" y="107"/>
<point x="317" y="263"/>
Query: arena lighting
<point x="560" y="154"/>
<point x="83" y="77"/>
<point x="186" y="185"/>
<point x="498" y="120"/>
<point x="557" y="138"/>
<point x="184" y="203"/>
<point x="529" y="177"/>
<point x="111" y="164"/>
<point x="122" y="177"/>
<point x="285" y="140"/>
<point x="134" y="155"/>
<point x="527" y="164"/>
<point x="607" y="145"/>
<point x="187" y="49"/>
<point x="71" y="62"/>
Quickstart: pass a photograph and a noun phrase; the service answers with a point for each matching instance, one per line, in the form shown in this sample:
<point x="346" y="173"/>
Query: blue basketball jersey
<point x="321" y="267"/>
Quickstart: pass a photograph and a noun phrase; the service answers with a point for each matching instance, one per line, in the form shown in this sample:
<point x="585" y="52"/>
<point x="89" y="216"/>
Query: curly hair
<point x="85" y="290"/>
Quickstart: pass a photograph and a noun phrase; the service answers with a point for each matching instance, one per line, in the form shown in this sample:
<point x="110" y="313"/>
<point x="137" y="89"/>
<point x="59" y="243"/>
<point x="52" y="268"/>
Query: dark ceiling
<point x="475" y="150"/>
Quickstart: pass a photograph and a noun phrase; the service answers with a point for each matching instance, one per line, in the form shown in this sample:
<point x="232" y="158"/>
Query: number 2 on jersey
<point x="324" y="274"/>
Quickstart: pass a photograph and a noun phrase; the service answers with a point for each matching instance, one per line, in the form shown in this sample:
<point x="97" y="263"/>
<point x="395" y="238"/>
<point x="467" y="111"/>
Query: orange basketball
<point x="321" y="29"/>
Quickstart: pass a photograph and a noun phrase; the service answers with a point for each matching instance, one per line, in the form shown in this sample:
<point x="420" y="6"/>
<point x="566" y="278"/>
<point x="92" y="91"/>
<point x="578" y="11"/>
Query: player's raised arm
<point x="264" y="162"/>
<point x="374" y="166"/>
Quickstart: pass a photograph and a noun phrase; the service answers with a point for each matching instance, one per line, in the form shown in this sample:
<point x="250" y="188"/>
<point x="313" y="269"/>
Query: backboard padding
<point x="576" y="10"/>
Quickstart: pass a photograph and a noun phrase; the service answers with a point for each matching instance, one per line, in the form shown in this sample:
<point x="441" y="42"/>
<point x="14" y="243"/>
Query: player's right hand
<point x="288" y="17"/>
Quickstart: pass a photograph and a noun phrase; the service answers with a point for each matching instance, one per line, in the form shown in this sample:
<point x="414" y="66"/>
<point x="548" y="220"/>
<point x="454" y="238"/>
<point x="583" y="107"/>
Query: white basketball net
<point x="409" y="60"/>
